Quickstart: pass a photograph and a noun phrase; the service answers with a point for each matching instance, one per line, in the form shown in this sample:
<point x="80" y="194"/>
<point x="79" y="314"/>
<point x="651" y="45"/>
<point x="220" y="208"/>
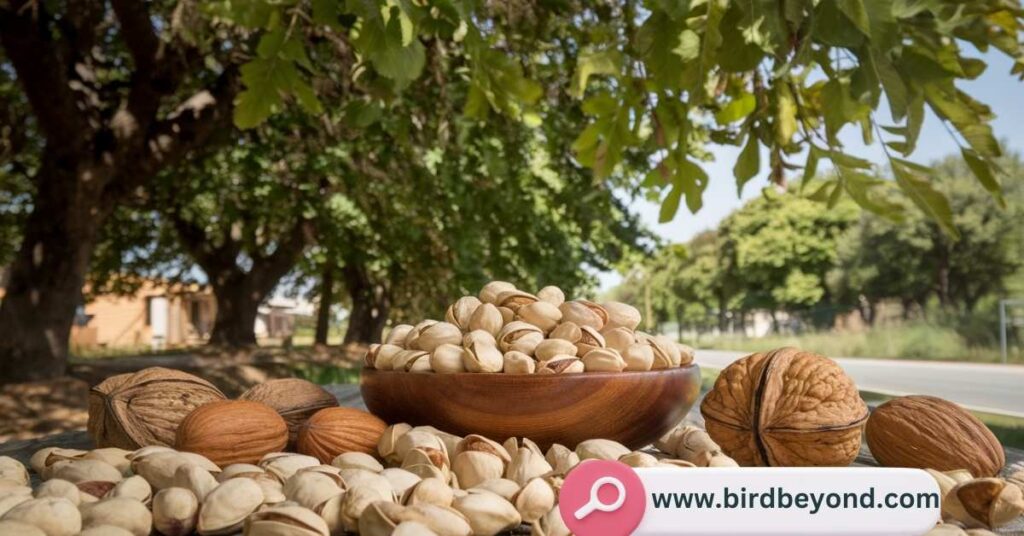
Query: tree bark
<point x="323" y="313"/>
<point x="371" y="305"/>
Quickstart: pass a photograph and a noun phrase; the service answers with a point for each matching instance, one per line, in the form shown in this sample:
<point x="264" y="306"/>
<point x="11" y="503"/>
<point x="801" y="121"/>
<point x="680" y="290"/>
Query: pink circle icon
<point x="602" y="498"/>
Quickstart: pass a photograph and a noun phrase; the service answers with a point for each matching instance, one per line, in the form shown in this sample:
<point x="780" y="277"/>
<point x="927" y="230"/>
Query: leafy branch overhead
<point x="660" y="80"/>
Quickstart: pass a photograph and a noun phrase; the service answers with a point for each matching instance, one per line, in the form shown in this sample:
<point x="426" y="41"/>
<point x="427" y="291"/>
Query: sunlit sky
<point x="996" y="87"/>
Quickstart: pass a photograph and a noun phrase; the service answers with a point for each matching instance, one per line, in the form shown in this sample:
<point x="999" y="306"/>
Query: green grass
<point x="916" y="341"/>
<point x="326" y="374"/>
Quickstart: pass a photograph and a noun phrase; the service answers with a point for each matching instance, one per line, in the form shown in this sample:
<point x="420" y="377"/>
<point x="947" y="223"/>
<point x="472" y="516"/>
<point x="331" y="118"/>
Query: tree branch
<point x="138" y="33"/>
<point x="267" y="271"/>
<point x="27" y="40"/>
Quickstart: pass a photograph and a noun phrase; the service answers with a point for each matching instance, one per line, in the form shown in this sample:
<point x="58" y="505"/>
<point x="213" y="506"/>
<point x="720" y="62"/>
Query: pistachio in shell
<point x="603" y="360"/>
<point x="489" y="293"/>
<point x="984" y="503"/>
<point x="447" y="359"/>
<point x="227" y="506"/>
<point x="487" y="513"/>
<point x="487" y="318"/>
<point x="398" y="334"/>
<point x="175" y="511"/>
<point x="285" y="521"/>
<point x="621" y="315"/>
<point x="518" y="363"/>
<point x="128" y="514"/>
<point x="541" y="314"/>
<point x="552" y="295"/>
<point x="55" y="516"/>
<point x="461" y="312"/>
<point x="581" y="314"/>
<point x="294" y="399"/>
<point x="12" y="470"/>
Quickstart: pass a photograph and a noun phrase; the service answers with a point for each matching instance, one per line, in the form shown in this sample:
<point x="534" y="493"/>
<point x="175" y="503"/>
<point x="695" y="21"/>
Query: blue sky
<point x="996" y="87"/>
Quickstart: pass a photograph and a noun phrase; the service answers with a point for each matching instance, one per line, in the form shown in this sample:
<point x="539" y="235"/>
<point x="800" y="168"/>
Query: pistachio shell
<point x="92" y="491"/>
<point x="228" y="505"/>
<point x="56" y="487"/>
<point x="621" y="315"/>
<point x="400" y="479"/>
<point x="159" y="468"/>
<point x="24" y="529"/>
<point x="639" y="459"/>
<point x="561" y="458"/>
<point x="379" y="518"/>
<point x="460" y="312"/>
<point x="407" y="359"/>
<point x="518" y="363"/>
<point x="356" y="500"/>
<point x="534" y="500"/>
<point x="389" y="439"/>
<point x="552" y="295"/>
<point x="398" y="334"/>
<point x="487" y="513"/>
<point x="478" y="337"/>
<point x="489" y="293"/>
<point x="412" y="339"/>
<point x="600" y="449"/>
<point x="638" y="356"/>
<point x="482" y="357"/>
<point x="412" y="528"/>
<point x="666" y="353"/>
<point x="175" y="511"/>
<point x="128" y="514"/>
<point x="447" y="359"/>
<point x="429" y="491"/>
<point x="519" y="336"/>
<point x="590" y="339"/>
<point x="568" y="331"/>
<point x="487" y="318"/>
<point x="560" y="364"/>
<point x="43" y="459"/>
<point x="550" y="525"/>
<point x="382" y="356"/>
<point x="526" y="464"/>
<point x="603" y="360"/>
<point x="414" y="439"/>
<point x="13" y="470"/>
<point x="441" y="520"/>
<point x="15" y="496"/>
<point x="686" y="354"/>
<point x="515" y="299"/>
<point x="579" y="313"/>
<point x="82" y="470"/>
<point x="195" y="479"/>
<point x="507" y="315"/>
<point x="499" y="486"/>
<point x="428" y="462"/>
<point x="134" y="487"/>
<point x="541" y="314"/>
<point x="549" y="348"/>
<point x="479" y="443"/>
<point x="55" y="516"/>
<point x="118" y="458"/>
<point x="437" y="334"/>
<point x="285" y="521"/>
<point x="310" y="488"/>
<point x="618" y="338"/>
<point x="474" y="467"/>
<point x="357" y="460"/>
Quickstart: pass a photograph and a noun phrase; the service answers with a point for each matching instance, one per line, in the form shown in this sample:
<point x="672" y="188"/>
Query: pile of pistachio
<point x="423" y="482"/>
<point x="975" y="506"/>
<point x="508" y="330"/>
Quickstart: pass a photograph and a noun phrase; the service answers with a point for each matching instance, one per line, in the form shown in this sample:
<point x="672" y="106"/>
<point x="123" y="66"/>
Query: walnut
<point x="786" y="407"/>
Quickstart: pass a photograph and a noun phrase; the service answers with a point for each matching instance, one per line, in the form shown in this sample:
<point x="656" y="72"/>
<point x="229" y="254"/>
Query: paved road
<point x="981" y="387"/>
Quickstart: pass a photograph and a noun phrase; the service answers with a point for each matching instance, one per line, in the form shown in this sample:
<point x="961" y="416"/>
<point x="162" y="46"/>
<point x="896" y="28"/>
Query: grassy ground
<point x="922" y="341"/>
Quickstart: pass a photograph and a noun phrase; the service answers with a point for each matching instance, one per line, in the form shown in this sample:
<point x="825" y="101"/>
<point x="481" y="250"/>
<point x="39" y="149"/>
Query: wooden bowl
<point x="633" y="408"/>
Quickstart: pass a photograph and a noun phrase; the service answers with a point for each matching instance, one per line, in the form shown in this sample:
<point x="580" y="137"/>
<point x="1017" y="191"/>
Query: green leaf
<point x="982" y="170"/>
<point x="383" y="45"/>
<point x="748" y="163"/>
<point x="670" y="205"/>
<point x="262" y="95"/>
<point x="693" y="180"/>
<point x="306" y="97"/>
<point x="924" y="195"/>
<point x="689" y="45"/>
<point x="600" y="62"/>
<point x="785" y="119"/>
<point x="855" y="11"/>
<point x="860" y="188"/>
<point x="736" y="109"/>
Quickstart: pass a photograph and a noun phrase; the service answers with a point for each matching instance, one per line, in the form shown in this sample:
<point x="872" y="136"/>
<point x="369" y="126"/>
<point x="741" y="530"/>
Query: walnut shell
<point x="294" y="399"/>
<point x="233" y="431"/>
<point x="932" y="433"/>
<point x="786" y="407"/>
<point x="334" y="431"/>
<point x="144" y="408"/>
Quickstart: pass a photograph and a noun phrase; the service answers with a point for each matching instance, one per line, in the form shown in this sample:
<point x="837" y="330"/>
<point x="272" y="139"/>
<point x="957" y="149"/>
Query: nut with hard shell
<point x="134" y="487"/>
<point x="412" y="339"/>
<point x="561" y="458"/>
<point x="195" y="479"/>
<point x="518" y="363"/>
<point x="489" y="293"/>
<point x="560" y="364"/>
<point x="487" y="318"/>
<point x="13" y="471"/>
<point x="601" y="449"/>
<point x="383" y="356"/>
<point x="125" y="513"/>
<point x="437" y="334"/>
<point x="311" y="488"/>
<point x="551" y="524"/>
<point x="427" y="462"/>
<point x="619" y="338"/>
<point x="387" y="445"/>
<point x="984" y="503"/>
<point x="542" y="314"/>
<point x="43" y="459"/>
<point x="603" y="360"/>
<point x="666" y="353"/>
<point x="590" y="339"/>
<point x="22" y="529"/>
<point x="294" y="399"/>
<point x="282" y="465"/>
<point x="534" y="500"/>
<point x="639" y="357"/>
<point x="527" y="463"/>
<point x="54" y="487"/>
<point x="552" y="295"/>
<point x="175" y="511"/>
<point x="441" y="520"/>
<point x="461" y="312"/>
<point x="429" y="491"/>
<point x="54" y="516"/>
<point x="499" y="486"/>
<point x="380" y="518"/>
<point x="620" y="315"/>
<point x="233" y="431"/>
<point x="285" y="521"/>
<point x="447" y="359"/>
<point x="482" y="357"/>
<point x="581" y="314"/>
<point x="549" y="348"/>
<point x="519" y="336"/>
<point x="227" y="506"/>
<point x="406" y="360"/>
<point x="397" y="335"/>
<point x="515" y="299"/>
<point x="487" y="513"/>
<point x="332" y="431"/>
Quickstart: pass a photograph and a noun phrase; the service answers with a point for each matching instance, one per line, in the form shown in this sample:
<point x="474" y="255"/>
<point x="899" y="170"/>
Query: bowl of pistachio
<point x="509" y="363"/>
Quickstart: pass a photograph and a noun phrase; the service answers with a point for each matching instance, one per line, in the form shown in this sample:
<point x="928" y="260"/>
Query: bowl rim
<point x="533" y="377"/>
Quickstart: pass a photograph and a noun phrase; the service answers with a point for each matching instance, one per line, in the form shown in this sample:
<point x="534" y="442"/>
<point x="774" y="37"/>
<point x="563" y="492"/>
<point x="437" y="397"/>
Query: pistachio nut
<point x="581" y="314"/>
<point x="437" y="334"/>
<point x="541" y="314"/>
<point x="195" y="479"/>
<point x="114" y="456"/>
<point x="56" y="516"/>
<point x="639" y="357"/>
<point x="689" y="443"/>
<point x="600" y="449"/>
<point x="721" y="460"/>
<point x="499" y="486"/>
<point x="507" y="315"/>
<point x="56" y="487"/>
<point x="406" y="360"/>
<point x="227" y="506"/>
<point x="473" y="467"/>
<point x="82" y="470"/>
<point x="379" y="518"/>
<point x="93" y="491"/>
<point x="285" y="521"/>
<point x="678" y="464"/>
<point x="519" y="336"/>
<point x="388" y="441"/>
<point x="549" y="348"/>
<point x="959" y="475"/>
<point x="479" y="443"/>
<point x="552" y="295"/>
<point x="443" y="521"/>
<point x="487" y="318"/>
<point x="175" y="511"/>
<point x="23" y="529"/>
<point x="310" y="488"/>
<point x="561" y="458"/>
<point x="142" y="452"/>
<point x="618" y="338"/>
<point x="398" y="334"/>
<point x="9" y="484"/>
<point x="449" y="440"/>
<point x="945" y="482"/>
<point x="460" y="312"/>
<point x="353" y="478"/>
<point x="382" y="356"/>
<point x="1017" y="477"/>
<point x="13" y="470"/>
<point x="515" y="299"/>
<point x="487" y="513"/>
<point x="43" y="459"/>
<point x="560" y="364"/>
<point x="236" y="469"/>
<point x="526" y="464"/>
<point x="639" y="459"/>
<point x="534" y="500"/>
<point x="447" y="359"/>
<point x="603" y="360"/>
<point x="332" y="471"/>
<point x="159" y="468"/>
<point x="134" y="487"/>
<point x="551" y="524"/>
<point x="482" y="357"/>
<point x="128" y="514"/>
<point x="567" y="331"/>
<point x="273" y="491"/>
<point x="12" y="497"/>
<point x="984" y="503"/>
<point x="414" y="439"/>
<point x="412" y="528"/>
<point x="400" y="479"/>
<point x="489" y="293"/>
<point x="590" y="339"/>
<point x="946" y="529"/>
<point x="429" y="491"/>
<point x="357" y="460"/>
<point x="478" y="336"/>
<point x="428" y="462"/>
<point x="513" y="444"/>
<point x="356" y="500"/>
<point x="621" y="315"/>
<point x="686" y="354"/>
<point x="518" y="363"/>
<point x="666" y="353"/>
<point x="412" y="341"/>
<point x="201" y="461"/>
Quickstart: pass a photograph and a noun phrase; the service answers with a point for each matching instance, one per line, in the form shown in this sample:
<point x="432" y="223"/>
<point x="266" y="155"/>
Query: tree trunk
<point x="237" y="307"/>
<point x="370" y="307"/>
<point x="46" y="277"/>
<point x="323" y="314"/>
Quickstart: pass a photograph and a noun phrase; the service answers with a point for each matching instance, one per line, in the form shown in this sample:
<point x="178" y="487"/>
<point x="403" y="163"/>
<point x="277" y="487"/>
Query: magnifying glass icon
<point x="595" y="503"/>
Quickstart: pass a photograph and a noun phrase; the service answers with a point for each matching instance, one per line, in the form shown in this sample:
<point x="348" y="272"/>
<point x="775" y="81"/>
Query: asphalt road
<point x="981" y="387"/>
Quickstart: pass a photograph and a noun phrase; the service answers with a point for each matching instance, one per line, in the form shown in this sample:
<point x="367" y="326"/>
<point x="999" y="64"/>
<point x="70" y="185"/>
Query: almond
<point x="233" y="431"/>
<point x="334" y="431"/>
